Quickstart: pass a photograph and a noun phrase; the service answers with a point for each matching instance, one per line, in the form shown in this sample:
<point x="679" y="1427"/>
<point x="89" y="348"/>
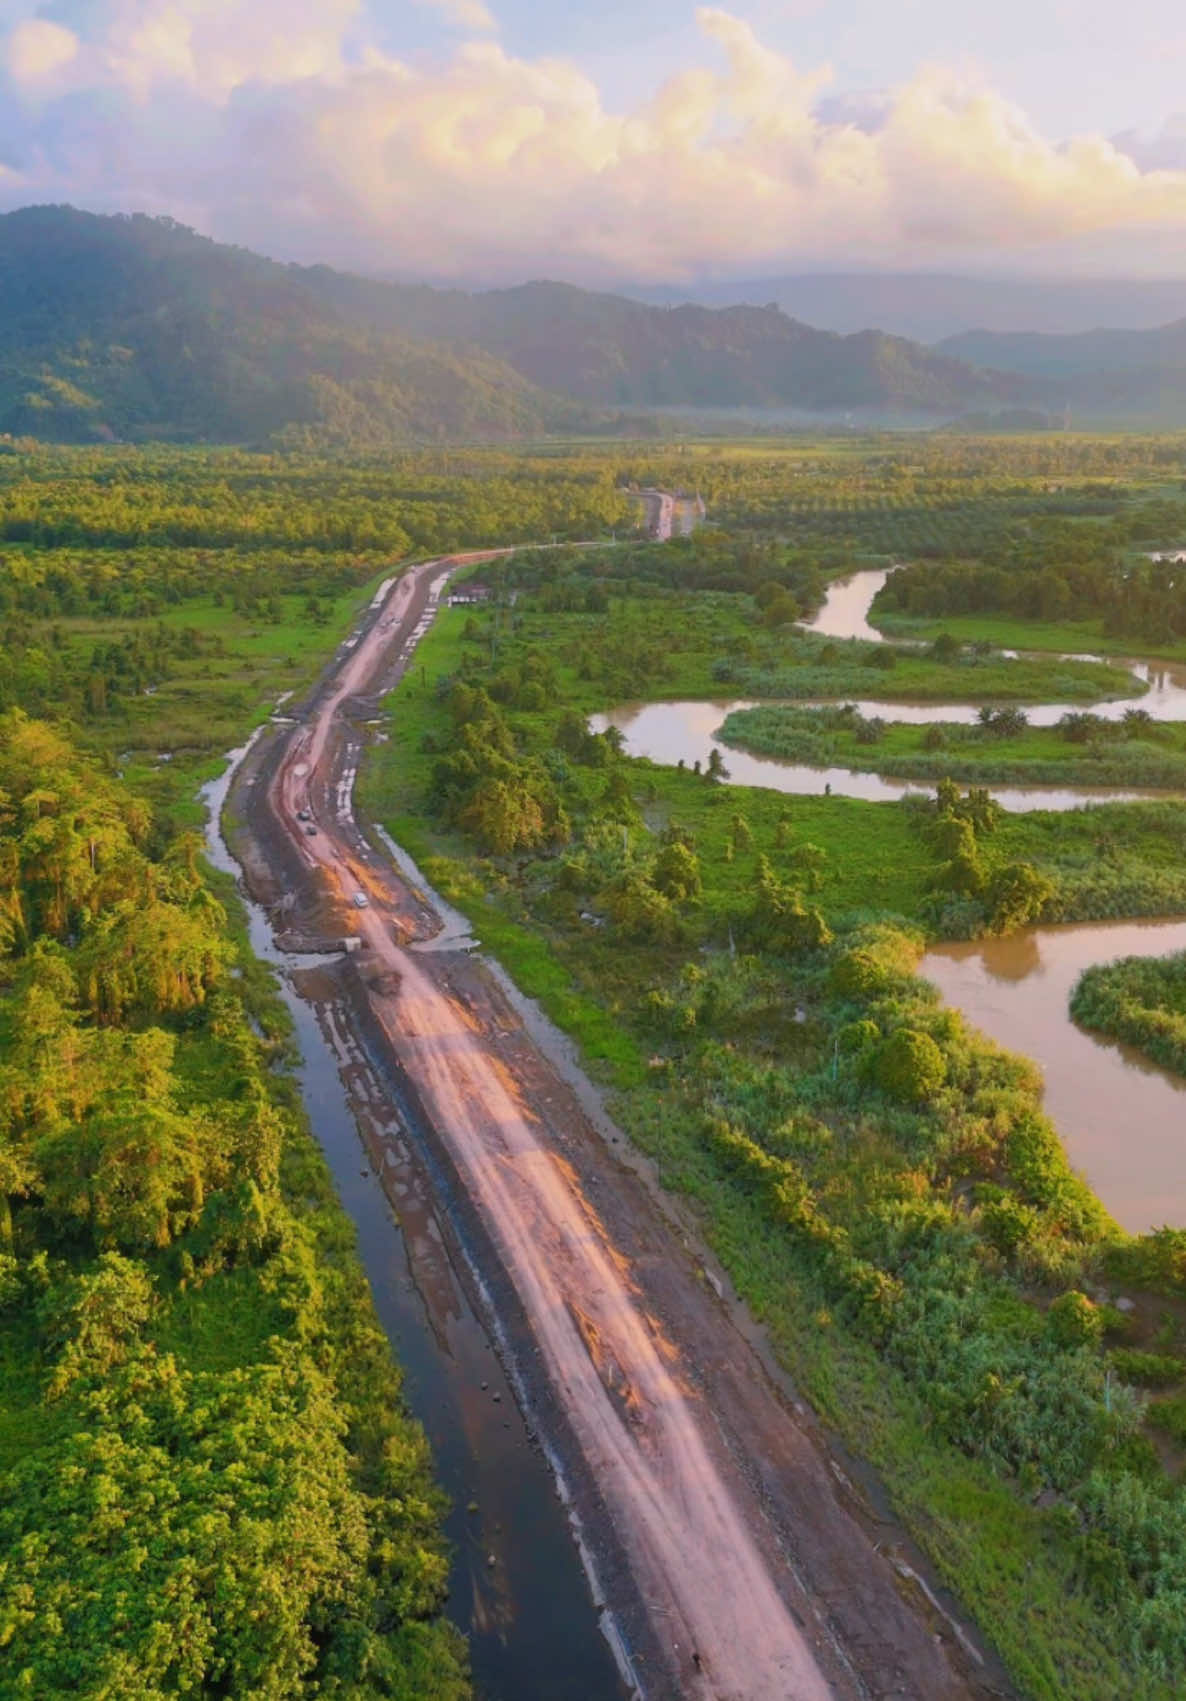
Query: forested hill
<point x="606" y="349"/>
<point x="137" y="328"/>
<point x="1121" y="370"/>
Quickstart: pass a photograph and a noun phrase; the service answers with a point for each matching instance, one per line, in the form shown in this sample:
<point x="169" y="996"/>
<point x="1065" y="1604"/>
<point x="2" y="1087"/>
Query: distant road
<point x="660" y="512"/>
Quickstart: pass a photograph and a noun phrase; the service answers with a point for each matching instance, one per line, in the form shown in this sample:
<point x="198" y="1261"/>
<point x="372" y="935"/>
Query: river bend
<point x="1122" y="1119"/>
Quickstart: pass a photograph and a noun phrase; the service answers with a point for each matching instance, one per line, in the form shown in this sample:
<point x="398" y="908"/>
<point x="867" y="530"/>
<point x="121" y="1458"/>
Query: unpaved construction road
<point x="733" y="1559"/>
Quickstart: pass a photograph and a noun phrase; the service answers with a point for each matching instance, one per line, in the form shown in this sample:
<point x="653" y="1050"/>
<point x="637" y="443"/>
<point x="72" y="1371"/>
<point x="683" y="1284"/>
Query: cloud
<point x="1165" y="150"/>
<point x="37" y="49"/>
<point x="280" y="124"/>
<point x="471" y="15"/>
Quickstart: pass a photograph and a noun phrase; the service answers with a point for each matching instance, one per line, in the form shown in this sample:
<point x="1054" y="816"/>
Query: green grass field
<point x="1067" y="638"/>
<point x="170" y="741"/>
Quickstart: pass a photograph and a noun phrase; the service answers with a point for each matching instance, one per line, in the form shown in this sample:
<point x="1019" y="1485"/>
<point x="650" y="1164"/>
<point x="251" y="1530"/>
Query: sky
<point x="613" y="142"/>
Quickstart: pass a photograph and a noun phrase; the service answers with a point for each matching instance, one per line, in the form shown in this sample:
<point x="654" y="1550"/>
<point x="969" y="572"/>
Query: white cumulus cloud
<point x="281" y="124"/>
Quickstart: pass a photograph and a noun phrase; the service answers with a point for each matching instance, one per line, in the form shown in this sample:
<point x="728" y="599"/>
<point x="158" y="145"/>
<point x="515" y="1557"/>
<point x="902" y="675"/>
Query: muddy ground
<point x="727" y="1540"/>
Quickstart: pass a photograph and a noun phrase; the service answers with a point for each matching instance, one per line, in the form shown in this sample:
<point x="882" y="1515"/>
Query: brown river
<point x="1122" y="1119"/>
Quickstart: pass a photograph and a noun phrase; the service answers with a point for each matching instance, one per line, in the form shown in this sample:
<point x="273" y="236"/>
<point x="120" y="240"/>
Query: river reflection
<point x="844" y="614"/>
<point x="1122" y="1119"/>
<point x="685" y="732"/>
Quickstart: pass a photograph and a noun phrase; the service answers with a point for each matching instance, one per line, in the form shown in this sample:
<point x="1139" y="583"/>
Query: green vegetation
<point x="1140" y="1000"/>
<point x="172" y="336"/>
<point x="1006" y="632"/>
<point x="180" y="1304"/>
<point x="210" y="1485"/>
<point x="164" y="599"/>
<point x="1060" y="571"/>
<point x="940" y="498"/>
<point x="808" y="665"/>
<point x="998" y="749"/>
<point x="880" y="1181"/>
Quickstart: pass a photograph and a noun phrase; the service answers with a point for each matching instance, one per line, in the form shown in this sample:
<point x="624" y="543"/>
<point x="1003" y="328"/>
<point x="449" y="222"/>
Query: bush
<point x="880" y="959"/>
<point x="910" y="1067"/>
<point x="1016" y="895"/>
<point x="857" y="1037"/>
<point x="1073" y="1321"/>
<point x="1147" y="1370"/>
<point x="1169" y="1416"/>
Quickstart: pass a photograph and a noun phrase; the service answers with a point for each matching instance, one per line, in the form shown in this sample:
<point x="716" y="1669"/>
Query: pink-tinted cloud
<point x="278" y="123"/>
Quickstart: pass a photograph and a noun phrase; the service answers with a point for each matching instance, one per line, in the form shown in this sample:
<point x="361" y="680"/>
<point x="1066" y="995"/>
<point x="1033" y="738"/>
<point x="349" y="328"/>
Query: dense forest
<point x="127" y="329"/>
<point x="209" y="1486"/>
<point x="1056" y="571"/>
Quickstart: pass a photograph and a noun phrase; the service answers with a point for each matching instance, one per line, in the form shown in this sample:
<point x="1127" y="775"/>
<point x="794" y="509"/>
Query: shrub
<point x="1016" y="895"/>
<point x="910" y="1067"/>
<point x="1073" y="1321"/>
<point x="880" y="959"/>
<point x="856" y="1037"/>
<point x="1009" y="1224"/>
<point x="1147" y="1370"/>
<point x="1169" y="1416"/>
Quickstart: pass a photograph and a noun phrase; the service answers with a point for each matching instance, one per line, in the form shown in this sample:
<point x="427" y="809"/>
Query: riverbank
<point x="1085" y="751"/>
<point x="1086" y="637"/>
<point x="1141" y="1002"/>
<point x="807" y="665"/>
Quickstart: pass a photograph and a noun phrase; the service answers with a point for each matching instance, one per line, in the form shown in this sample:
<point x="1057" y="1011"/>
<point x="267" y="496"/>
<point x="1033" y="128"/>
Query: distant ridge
<point x="136" y="328"/>
<point x="616" y="352"/>
<point x="1121" y="370"/>
<point x="929" y="307"/>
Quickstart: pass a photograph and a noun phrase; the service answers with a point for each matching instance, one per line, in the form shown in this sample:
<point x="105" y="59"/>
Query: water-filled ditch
<point x="517" y="1586"/>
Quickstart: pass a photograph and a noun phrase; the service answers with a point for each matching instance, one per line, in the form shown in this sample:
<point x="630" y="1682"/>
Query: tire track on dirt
<point x="714" y="1491"/>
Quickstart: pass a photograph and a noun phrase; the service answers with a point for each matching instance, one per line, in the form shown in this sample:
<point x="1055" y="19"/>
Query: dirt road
<point x="660" y="513"/>
<point x="746" y="1572"/>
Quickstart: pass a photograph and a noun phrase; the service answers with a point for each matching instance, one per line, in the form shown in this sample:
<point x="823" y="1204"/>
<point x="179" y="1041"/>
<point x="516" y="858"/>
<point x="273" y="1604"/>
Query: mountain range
<point x="931" y="306"/>
<point x="135" y="327"/>
<point x="1143" y="371"/>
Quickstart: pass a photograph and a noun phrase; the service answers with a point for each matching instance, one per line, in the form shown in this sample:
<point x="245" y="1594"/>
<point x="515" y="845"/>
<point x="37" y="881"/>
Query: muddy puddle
<point x="517" y="1587"/>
